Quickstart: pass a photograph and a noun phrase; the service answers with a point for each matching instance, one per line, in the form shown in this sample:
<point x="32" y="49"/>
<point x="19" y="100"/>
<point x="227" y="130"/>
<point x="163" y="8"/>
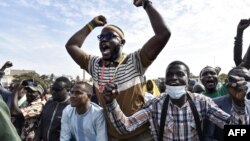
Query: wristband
<point x="90" y="26"/>
<point x="145" y="3"/>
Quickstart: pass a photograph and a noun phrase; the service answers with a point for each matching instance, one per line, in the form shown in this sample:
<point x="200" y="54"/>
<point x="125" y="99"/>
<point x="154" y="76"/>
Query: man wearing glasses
<point x="114" y="66"/>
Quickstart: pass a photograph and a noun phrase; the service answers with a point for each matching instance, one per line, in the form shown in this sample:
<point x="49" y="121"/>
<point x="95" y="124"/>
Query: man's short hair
<point x="88" y="87"/>
<point x="207" y="68"/>
<point x="180" y="63"/>
<point x="65" y="80"/>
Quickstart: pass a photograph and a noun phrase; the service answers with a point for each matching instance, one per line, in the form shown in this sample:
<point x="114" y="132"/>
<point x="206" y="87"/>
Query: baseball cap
<point x="30" y="83"/>
<point x="37" y="88"/>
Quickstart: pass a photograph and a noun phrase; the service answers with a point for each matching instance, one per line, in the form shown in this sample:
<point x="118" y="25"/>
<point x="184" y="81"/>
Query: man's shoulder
<point x="199" y="97"/>
<point x="222" y="99"/>
<point x="96" y="107"/>
<point x="95" y="59"/>
<point x="69" y="110"/>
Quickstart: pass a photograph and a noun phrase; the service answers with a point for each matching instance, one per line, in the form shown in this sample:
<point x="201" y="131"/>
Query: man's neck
<point x="63" y="99"/>
<point x="180" y="102"/>
<point x="209" y="91"/>
<point x="82" y="109"/>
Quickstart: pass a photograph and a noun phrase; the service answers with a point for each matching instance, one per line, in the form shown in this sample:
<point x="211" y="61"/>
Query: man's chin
<point x="106" y="57"/>
<point x="73" y="105"/>
<point x="211" y="88"/>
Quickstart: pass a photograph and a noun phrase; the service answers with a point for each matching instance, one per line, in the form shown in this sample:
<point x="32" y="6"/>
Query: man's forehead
<point x="176" y="67"/>
<point x="107" y="30"/>
<point x="208" y="70"/>
<point x="78" y="87"/>
<point x="29" y="90"/>
<point x="116" y="32"/>
<point x="59" y="84"/>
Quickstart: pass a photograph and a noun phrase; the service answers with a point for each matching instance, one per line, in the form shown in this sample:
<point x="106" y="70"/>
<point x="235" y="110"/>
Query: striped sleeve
<point x="125" y="124"/>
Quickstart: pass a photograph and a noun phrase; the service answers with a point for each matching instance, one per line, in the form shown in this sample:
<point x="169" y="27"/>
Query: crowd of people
<point x="121" y="105"/>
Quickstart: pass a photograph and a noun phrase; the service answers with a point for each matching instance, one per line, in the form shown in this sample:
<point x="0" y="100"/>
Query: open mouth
<point x="174" y="84"/>
<point x="210" y="84"/>
<point x="105" y="50"/>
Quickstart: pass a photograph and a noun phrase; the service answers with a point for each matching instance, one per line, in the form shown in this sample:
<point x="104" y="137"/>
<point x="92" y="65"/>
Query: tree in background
<point x="44" y="80"/>
<point x="222" y="77"/>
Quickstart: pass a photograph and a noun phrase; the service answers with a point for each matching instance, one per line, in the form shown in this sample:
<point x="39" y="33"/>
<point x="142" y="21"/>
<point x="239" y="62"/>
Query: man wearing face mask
<point x="178" y="114"/>
<point x="114" y="66"/>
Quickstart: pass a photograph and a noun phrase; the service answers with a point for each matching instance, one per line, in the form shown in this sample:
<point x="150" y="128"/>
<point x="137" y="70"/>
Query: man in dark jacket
<point x="50" y="122"/>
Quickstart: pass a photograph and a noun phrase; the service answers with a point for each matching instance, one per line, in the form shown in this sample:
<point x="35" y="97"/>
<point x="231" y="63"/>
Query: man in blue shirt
<point x="83" y="120"/>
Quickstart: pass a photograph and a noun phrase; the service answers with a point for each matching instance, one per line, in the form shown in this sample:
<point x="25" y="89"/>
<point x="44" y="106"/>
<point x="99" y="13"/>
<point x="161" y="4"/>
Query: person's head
<point x="33" y="90"/>
<point x="149" y="85"/>
<point x="60" y="89"/>
<point x="162" y="86"/>
<point x="198" y="88"/>
<point x="209" y="78"/>
<point x="80" y="94"/>
<point x="191" y="84"/>
<point x="111" y="42"/>
<point x="176" y="80"/>
<point x="177" y="74"/>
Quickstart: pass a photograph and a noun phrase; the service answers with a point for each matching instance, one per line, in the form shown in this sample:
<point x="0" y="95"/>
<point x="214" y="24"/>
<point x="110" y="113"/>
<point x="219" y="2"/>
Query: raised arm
<point x="6" y="65"/>
<point x="246" y="60"/>
<point x="162" y="34"/>
<point x="243" y="24"/>
<point x="14" y="108"/>
<point x="75" y="42"/>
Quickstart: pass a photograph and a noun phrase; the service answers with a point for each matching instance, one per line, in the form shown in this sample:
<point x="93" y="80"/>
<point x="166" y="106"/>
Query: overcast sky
<point x="33" y="33"/>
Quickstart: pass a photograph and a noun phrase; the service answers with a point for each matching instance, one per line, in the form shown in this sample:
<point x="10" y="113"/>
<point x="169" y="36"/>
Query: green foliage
<point x="44" y="80"/>
<point x="222" y="77"/>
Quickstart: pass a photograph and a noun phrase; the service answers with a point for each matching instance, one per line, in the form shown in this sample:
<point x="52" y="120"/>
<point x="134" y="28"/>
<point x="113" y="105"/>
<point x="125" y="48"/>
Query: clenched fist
<point x="99" y="21"/>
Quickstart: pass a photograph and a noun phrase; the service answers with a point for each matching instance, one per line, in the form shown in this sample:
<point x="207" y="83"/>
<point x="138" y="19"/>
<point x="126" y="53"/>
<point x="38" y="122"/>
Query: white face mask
<point x="175" y="92"/>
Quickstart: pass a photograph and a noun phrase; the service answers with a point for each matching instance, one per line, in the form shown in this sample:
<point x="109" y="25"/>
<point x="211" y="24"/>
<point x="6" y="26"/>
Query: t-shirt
<point x="127" y="72"/>
<point x="220" y="91"/>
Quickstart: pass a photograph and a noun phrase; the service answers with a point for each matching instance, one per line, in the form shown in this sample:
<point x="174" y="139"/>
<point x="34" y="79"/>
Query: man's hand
<point x="243" y="24"/>
<point x="99" y="21"/>
<point x="237" y="89"/>
<point x="6" y="65"/>
<point x="110" y="92"/>
<point x="138" y="3"/>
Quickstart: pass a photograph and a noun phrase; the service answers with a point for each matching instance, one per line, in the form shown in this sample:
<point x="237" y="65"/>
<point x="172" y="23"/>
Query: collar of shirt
<point x="113" y="63"/>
